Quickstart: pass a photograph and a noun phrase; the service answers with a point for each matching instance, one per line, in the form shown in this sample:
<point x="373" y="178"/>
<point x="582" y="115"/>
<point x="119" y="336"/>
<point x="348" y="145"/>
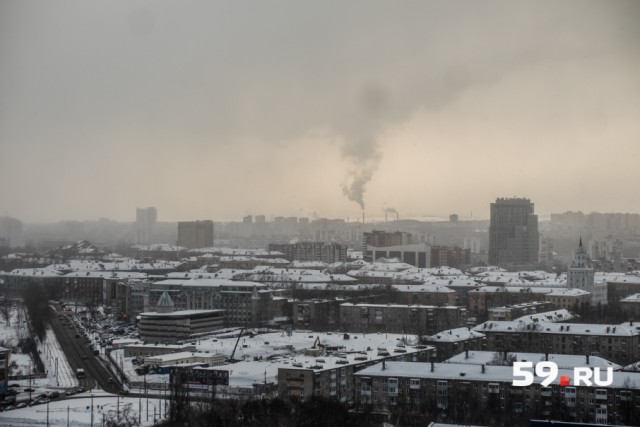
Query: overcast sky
<point x="223" y="109"/>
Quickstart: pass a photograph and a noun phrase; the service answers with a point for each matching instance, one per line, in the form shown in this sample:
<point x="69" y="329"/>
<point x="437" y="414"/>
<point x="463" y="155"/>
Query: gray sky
<point x="222" y="109"/>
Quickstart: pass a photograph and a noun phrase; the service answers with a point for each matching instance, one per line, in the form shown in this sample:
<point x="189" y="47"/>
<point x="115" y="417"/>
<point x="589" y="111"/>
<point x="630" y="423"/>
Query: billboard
<point x="199" y="377"/>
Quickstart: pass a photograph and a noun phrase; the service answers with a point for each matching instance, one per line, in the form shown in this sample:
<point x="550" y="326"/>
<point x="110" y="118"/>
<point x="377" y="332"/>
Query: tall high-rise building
<point x="146" y="219"/>
<point x="513" y="233"/>
<point x="195" y="234"/>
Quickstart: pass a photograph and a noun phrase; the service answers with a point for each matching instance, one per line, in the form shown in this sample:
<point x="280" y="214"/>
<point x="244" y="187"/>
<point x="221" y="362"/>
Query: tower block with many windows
<point x="513" y="233"/>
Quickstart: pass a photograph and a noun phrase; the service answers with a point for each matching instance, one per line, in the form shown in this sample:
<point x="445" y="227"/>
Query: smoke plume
<point x="360" y="146"/>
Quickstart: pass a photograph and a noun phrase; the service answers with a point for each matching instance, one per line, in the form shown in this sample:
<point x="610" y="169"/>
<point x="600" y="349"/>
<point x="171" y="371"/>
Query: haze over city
<point x="223" y="109"/>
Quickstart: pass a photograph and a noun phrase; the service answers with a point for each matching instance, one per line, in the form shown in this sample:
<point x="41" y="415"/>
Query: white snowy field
<point x="77" y="412"/>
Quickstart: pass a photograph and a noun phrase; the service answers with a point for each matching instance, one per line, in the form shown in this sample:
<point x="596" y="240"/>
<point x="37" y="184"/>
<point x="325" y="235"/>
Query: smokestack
<point x="587" y="359"/>
<point x="397" y="216"/>
<point x="432" y="366"/>
<point x="546" y="357"/>
<point x="483" y="368"/>
<point x="466" y="354"/>
<point x="363" y="217"/>
<point x="384" y="366"/>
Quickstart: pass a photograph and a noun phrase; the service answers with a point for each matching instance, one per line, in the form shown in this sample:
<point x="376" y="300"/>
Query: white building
<point x="582" y="276"/>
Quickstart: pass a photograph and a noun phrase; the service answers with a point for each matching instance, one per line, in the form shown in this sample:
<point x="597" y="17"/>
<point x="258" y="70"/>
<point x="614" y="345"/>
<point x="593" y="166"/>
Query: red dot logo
<point x="565" y="380"/>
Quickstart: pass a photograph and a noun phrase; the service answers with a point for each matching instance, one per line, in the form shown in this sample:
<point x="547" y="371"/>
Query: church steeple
<point x="580" y="274"/>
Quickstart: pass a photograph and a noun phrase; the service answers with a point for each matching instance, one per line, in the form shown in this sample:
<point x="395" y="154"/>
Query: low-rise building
<point x="569" y="298"/>
<point x="397" y="318"/>
<point x="618" y="343"/>
<point x="426" y="294"/>
<point x="166" y="325"/>
<point x="332" y="375"/>
<point x="145" y="350"/>
<point x="451" y="342"/>
<point x="185" y="358"/>
<point x="511" y="312"/>
<point x="630" y="306"/>
<point x="317" y="315"/>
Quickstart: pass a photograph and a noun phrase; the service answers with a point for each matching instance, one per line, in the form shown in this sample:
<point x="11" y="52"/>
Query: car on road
<point x="21" y="405"/>
<point x="53" y="394"/>
<point x="29" y="390"/>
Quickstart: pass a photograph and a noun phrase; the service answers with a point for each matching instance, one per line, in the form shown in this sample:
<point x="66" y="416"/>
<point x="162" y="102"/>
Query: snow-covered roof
<point x="309" y="264"/>
<point x="424" y="288"/>
<point x="208" y="283"/>
<point x="521" y="325"/>
<point x="280" y="275"/>
<point x="472" y="372"/>
<point x="513" y="289"/>
<point x="180" y="313"/>
<point x="237" y="252"/>
<point x="635" y="298"/>
<point x="46" y="272"/>
<point x="564" y="361"/>
<point x="172" y="357"/>
<point x="365" y="305"/>
<point x="455" y="335"/>
<point x="160" y="247"/>
<point x="617" y="278"/>
<point x="118" y="275"/>
<point x="568" y="292"/>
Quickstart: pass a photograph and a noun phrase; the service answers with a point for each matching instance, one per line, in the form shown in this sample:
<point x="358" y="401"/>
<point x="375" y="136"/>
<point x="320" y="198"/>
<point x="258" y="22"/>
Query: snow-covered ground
<point x="59" y="373"/>
<point x="10" y="335"/>
<point x="78" y="411"/>
<point x="50" y="352"/>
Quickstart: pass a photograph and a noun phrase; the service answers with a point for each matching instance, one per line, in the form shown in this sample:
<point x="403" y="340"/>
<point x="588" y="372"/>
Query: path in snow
<point x="50" y="351"/>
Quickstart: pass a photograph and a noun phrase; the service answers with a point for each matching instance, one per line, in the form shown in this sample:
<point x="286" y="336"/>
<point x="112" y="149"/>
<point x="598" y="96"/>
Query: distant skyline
<point x="216" y="110"/>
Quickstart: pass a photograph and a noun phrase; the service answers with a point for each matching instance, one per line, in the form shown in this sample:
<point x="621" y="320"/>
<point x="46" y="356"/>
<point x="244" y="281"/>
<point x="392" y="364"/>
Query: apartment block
<point x="450" y="388"/>
<point x="195" y="234"/>
<point x="513" y="233"/>
<point x="312" y="251"/>
<point x="618" y="343"/>
<point x="396" y="318"/>
<point x="333" y="376"/>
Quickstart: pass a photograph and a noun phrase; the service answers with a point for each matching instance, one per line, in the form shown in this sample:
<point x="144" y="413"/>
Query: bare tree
<point x="5" y="310"/>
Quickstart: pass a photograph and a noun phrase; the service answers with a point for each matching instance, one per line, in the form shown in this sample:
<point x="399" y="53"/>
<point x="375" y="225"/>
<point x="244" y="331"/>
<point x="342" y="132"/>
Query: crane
<point x="231" y="359"/>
